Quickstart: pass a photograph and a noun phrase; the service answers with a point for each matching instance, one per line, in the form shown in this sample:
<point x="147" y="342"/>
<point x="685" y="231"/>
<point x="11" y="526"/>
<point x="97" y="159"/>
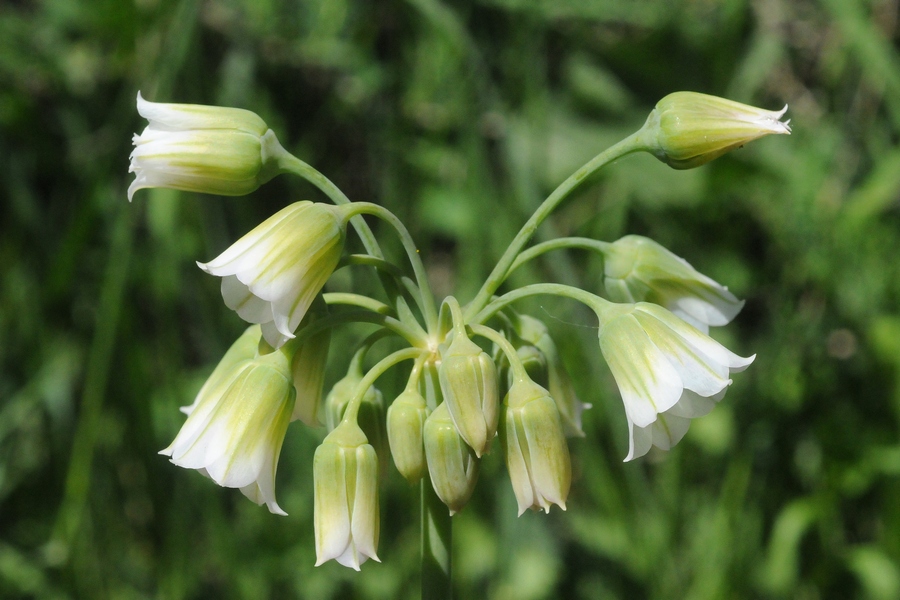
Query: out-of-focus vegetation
<point x="460" y="117"/>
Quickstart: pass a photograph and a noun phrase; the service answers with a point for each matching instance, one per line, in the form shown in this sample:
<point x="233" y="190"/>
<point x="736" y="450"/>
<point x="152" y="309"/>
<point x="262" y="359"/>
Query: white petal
<point x="241" y="300"/>
<point x="639" y="441"/>
<point x="649" y="384"/>
<point x="668" y="430"/>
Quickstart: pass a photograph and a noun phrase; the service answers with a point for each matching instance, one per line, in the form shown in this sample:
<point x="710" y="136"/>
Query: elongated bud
<point x="687" y="129"/>
<point x="345" y="473"/>
<point x="535" y="447"/>
<point x="308" y="370"/>
<point x="207" y="149"/>
<point x="559" y="383"/>
<point x="452" y="464"/>
<point x="469" y="386"/>
<point x="405" y="426"/>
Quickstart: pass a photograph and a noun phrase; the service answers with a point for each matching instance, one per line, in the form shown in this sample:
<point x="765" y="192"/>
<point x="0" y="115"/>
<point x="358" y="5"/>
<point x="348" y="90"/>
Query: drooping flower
<point x="207" y="149"/>
<point x="687" y="129"/>
<point x="405" y="426"/>
<point x="272" y="275"/>
<point x="345" y="472"/>
<point x="471" y="391"/>
<point x="637" y="269"/>
<point x="667" y="371"/>
<point x="235" y="430"/>
<point x="534" y="445"/>
<point x="452" y="463"/>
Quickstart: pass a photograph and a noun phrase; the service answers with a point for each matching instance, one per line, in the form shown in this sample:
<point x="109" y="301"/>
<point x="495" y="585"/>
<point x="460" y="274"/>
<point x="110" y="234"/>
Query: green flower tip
<point x="687" y="129"/>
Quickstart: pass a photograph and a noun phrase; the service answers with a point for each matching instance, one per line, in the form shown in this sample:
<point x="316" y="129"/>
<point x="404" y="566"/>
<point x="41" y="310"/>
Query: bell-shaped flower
<point x="559" y="383"/>
<point x="207" y="149"/>
<point x="637" y="269"/>
<point x="470" y="389"/>
<point x="452" y="464"/>
<point x="405" y="426"/>
<point x="345" y="473"/>
<point x="534" y="445"/>
<point x="235" y="431"/>
<point x="667" y="371"/>
<point x="272" y="275"/>
<point x="687" y="129"/>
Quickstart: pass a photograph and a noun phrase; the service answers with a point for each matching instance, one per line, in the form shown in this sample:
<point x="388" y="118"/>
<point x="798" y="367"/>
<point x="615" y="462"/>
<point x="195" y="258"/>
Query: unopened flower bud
<point x="469" y="387"/>
<point x="345" y="474"/>
<point x="535" y="447"/>
<point x="405" y="424"/>
<point x="559" y="383"/>
<point x="687" y="129"/>
<point x="207" y="149"/>
<point x="452" y="464"/>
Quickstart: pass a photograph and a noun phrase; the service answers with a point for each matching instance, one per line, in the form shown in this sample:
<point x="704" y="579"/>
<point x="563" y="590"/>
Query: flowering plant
<point x="482" y="373"/>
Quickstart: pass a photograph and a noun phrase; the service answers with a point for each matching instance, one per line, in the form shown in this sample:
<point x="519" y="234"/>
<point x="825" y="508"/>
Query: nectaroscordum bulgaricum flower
<point x="637" y="269"/>
<point x="345" y="472"/>
<point x="207" y="149"/>
<point x="667" y="371"/>
<point x="687" y="129"/>
<point x="534" y="445"/>
<point x="235" y="430"/>
<point x="272" y="274"/>
<point x="471" y="391"/>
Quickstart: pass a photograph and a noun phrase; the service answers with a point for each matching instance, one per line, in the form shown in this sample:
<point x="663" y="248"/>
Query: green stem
<point x="567" y="242"/>
<point x="539" y="289"/>
<point x="412" y="336"/>
<point x="357" y="300"/>
<point x="374" y="373"/>
<point x="288" y="163"/>
<point x="429" y="311"/>
<point x="389" y="268"/>
<point x="633" y="143"/>
<point x="436" y="545"/>
<point x="511" y="355"/>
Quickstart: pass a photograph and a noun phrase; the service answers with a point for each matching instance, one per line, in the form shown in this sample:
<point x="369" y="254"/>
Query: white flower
<point x="667" y="371"/>
<point x="637" y="269"/>
<point x="345" y="473"/>
<point x="208" y="149"/>
<point x="273" y="273"/>
<point x="234" y="432"/>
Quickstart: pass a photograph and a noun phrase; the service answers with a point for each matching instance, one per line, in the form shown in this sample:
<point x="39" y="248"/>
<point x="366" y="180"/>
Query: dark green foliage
<point x="460" y="117"/>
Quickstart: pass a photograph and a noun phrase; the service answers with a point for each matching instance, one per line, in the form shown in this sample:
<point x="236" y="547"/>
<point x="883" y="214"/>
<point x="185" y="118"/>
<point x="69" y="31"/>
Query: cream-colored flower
<point x="667" y="371"/>
<point x="234" y="433"/>
<point x="207" y="149"/>
<point x="471" y="391"/>
<point x="272" y="274"/>
<point x="687" y="129"/>
<point x="534" y="445"/>
<point x="637" y="269"/>
<point x="452" y="463"/>
<point x="345" y="471"/>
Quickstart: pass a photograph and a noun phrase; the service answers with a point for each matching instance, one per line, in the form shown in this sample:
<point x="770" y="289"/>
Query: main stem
<point x="437" y="545"/>
<point x="633" y="143"/>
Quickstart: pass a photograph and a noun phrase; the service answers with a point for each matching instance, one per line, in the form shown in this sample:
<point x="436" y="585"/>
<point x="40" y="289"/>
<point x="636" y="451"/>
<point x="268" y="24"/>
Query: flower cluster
<point x="483" y="375"/>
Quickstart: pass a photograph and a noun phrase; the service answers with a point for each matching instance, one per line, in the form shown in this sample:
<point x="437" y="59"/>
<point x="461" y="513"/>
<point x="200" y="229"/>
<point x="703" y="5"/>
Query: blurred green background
<point x="460" y="117"/>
